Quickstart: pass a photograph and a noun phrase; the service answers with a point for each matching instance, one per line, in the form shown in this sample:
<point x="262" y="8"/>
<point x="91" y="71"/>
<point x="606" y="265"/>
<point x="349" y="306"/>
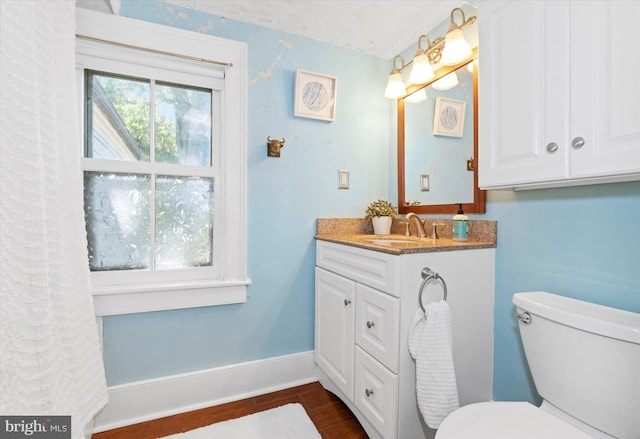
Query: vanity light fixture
<point x="456" y="48"/>
<point x="395" y="85"/>
<point x="449" y="51"/>
<point x="446" y="82"/>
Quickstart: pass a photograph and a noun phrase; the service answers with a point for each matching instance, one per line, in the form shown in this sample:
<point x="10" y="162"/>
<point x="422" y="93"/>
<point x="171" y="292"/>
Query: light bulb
<point x="416" y="97"/>
<point x="421" y="70"/>
<point x="456" y="48"/>
<point x="446" y="82"/>
<point x="395" y="86"/>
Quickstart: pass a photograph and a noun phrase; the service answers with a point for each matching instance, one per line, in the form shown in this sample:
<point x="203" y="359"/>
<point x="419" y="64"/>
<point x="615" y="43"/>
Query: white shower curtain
<point x="50" y="357"/>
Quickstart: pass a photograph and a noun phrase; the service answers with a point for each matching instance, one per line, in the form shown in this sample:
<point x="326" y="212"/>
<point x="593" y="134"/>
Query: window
<point x="164" y="166"/>
<point x="148" y="123"/>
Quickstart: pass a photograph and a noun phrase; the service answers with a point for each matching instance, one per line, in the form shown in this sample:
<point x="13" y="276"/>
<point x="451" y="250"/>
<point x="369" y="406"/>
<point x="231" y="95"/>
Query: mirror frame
<point x="479" y="196"/>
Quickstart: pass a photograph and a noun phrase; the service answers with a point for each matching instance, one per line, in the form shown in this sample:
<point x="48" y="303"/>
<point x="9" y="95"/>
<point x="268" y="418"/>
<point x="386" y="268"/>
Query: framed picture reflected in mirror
<point x="448" y="117"/>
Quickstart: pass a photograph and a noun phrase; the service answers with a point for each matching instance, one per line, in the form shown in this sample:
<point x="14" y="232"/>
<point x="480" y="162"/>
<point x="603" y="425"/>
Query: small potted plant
<point x="381" y="213"/>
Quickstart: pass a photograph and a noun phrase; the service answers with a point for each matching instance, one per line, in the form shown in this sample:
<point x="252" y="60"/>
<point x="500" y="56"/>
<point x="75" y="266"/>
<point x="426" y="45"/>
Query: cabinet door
<point x="378" y="325"/>
<point x="605" y="87"/>
<point x="376" y="394"/>
<point x="523" y="92"/>
<point x="334" y="328"/>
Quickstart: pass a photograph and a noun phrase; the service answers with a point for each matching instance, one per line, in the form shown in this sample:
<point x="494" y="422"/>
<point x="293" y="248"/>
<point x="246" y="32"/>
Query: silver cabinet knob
<point x="552" y="147"/>
<point x="368" y="392"/>
<point x="577" y="143"/>
<point x="370" y="324"/>
<point x="346" y="302"/>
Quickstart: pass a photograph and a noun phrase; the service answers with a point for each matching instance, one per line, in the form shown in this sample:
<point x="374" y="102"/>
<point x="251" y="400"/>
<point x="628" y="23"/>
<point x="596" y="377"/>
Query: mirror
<point x="438" y="145"/>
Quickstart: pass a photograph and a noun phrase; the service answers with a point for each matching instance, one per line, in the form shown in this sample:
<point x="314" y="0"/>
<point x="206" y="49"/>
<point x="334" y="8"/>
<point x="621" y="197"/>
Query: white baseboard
<point x="156" y="398"/>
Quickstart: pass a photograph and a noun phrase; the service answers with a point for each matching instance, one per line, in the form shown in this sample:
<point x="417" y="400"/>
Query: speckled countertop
<point x="358" y="232"/>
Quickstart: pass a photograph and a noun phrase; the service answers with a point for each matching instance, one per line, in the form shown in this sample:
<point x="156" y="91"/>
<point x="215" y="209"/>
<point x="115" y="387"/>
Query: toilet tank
<point x="584" y="359"/>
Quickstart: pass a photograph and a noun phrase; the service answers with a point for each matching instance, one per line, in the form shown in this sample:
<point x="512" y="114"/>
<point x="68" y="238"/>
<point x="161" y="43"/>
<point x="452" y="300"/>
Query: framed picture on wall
<point x="448" y="117"/>
<point x="315" y="95"/>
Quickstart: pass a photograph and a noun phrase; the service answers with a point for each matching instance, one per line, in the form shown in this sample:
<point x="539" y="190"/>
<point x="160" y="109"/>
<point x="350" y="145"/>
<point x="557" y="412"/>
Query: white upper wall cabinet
<point x="559" y="103"/>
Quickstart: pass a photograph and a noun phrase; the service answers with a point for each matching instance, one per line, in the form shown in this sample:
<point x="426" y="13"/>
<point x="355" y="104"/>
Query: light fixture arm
<point x="420" y="49"/>
<point x="395" y="68"/>
<point x="432" y="51"/>
<point x="464" y="19"/>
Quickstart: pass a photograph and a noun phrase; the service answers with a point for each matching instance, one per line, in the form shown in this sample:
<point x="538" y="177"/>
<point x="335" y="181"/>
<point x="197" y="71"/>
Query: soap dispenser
<point x="460" y="225"/>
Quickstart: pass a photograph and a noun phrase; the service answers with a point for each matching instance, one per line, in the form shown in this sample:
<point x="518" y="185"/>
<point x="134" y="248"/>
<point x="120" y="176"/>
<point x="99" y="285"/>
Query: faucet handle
<point x="405" y="223"/>
<point x="434" y="232"/>
<point x="406" y="228"/>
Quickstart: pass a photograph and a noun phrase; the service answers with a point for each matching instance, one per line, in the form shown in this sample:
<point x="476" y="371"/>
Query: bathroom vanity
<point x="366" y="298"/>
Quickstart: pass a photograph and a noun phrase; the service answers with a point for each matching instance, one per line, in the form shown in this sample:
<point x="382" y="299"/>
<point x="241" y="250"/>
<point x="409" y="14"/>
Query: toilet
<point x="585" y="363"/>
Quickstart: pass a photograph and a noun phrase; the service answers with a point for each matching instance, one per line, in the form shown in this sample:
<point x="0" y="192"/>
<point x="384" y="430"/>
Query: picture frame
<point x="315" y="95"/>
<point x="448" y="117"/>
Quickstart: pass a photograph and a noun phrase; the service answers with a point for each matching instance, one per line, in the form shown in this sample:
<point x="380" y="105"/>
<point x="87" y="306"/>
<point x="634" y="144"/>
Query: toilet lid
<point x="506" y="420"/>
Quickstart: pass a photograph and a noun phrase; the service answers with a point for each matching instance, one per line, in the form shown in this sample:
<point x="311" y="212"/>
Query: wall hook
<point x="274" y="146"/>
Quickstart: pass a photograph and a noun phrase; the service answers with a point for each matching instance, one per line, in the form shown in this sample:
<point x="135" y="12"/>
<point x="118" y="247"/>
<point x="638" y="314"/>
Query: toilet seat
<point x="506" y="420"/>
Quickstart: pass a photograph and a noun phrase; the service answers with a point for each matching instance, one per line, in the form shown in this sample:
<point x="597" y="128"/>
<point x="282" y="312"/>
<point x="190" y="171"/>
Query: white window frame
<point x="132" y="292"/>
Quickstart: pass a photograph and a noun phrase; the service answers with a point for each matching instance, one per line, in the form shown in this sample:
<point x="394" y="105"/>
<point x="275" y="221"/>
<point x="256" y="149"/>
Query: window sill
<point x="114" y="300"/>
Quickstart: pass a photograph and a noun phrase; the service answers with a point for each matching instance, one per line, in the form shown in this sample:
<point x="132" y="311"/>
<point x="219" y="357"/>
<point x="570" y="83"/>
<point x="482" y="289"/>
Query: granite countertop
<point x="357" y="232"/>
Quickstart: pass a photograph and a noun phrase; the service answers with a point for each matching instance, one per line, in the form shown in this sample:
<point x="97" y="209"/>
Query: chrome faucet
<point x="412" y="216"/>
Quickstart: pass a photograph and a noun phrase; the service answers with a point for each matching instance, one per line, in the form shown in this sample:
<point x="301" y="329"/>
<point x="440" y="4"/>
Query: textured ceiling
<point x="382" y="28"/>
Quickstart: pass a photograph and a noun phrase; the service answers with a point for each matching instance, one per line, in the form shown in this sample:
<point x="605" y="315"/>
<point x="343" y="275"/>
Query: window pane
<point x="117" y="212"/>
<point x="183" y="125"/>
<point x="120" y="114"/>
<point x="184" y="222"/>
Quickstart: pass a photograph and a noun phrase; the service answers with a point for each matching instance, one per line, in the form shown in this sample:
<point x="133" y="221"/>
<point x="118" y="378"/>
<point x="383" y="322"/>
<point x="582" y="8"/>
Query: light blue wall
<point x="582" y="242"/>
<point x="285" y="196"/>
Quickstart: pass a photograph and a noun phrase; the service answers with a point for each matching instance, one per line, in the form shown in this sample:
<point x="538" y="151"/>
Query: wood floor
<point x="331" y="417"/>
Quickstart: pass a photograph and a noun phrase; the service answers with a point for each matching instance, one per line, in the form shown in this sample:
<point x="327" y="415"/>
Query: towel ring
<point x="427" y="274"/>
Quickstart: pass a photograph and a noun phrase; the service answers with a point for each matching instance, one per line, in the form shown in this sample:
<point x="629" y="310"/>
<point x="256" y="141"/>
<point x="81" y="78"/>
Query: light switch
<point x="424" y="182"/>
<point x="343" y="179"/>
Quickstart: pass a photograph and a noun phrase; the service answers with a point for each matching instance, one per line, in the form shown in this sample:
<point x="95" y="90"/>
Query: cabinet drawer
<point x="376" y="393"/>
<point x="378" y="270"/>
<point x="378" y="325"/>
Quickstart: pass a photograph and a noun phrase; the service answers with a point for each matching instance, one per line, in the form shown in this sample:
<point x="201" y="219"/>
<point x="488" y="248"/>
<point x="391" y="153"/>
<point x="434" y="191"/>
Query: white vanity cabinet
<point x="354" y="370"/>
<point x="559" y="99"/>
<point x="365" y="304"/>
<point x="335" y="315"/>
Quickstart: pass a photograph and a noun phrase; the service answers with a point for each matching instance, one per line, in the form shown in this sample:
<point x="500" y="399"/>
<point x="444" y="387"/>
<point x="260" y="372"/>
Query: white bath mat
<point x="286" y="422"/>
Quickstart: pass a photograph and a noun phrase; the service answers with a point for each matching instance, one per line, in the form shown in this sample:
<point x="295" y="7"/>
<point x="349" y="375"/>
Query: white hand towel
<point x="430" y="344"/>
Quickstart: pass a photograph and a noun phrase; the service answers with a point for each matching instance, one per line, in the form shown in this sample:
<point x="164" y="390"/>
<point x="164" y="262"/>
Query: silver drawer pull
<point x="552" y="147"/>
<point x="577" y="143"/>
<point x="370" y="324"/>
<point x="368" y="392"/>
<point x="524" y="318"/>
<point x="346" y="302"/>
